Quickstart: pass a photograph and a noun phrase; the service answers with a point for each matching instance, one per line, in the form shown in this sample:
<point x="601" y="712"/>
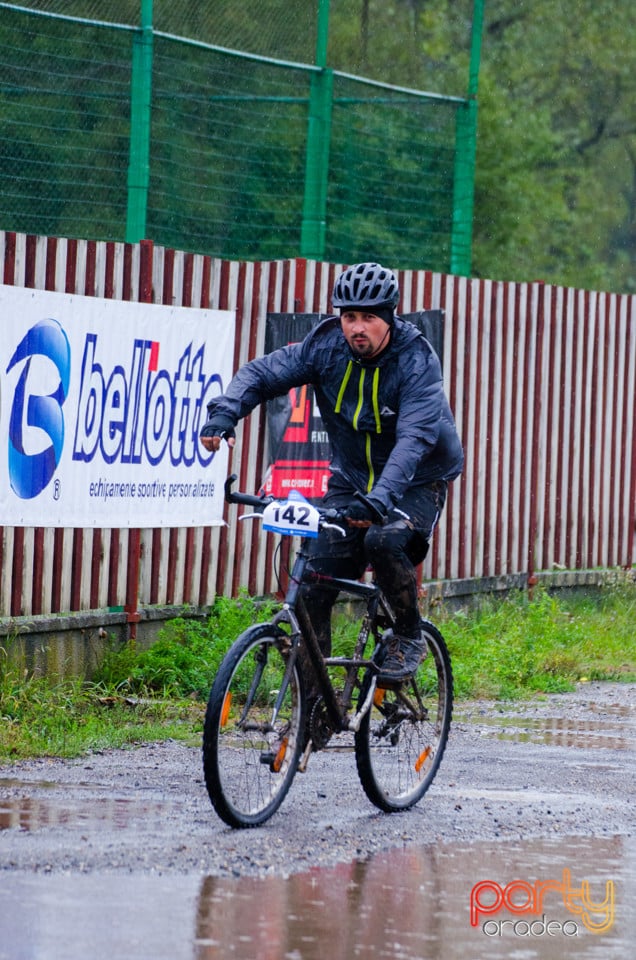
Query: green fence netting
<point x="65" y="126"/>
<point x="232" y="168"/>
<point x="391" y="176"/>
<point x="226" y="153"/>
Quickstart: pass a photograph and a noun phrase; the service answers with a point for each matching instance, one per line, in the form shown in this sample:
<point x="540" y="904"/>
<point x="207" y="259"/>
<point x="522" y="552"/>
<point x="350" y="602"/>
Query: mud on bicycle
<point x="259" y="728"/>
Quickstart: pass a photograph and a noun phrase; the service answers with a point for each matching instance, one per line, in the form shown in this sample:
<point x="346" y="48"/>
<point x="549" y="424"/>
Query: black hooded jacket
<point x="388" y="419"/>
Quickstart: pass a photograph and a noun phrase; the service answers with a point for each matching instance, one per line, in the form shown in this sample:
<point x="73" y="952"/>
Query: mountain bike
<point x="260" y="729"/>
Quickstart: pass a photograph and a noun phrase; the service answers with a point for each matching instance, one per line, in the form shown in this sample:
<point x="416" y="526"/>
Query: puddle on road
<point x="616" y="733"/>
<point x="407" y="904"/>
<point x="35" y="813"/>
<point x="561" y="732"/>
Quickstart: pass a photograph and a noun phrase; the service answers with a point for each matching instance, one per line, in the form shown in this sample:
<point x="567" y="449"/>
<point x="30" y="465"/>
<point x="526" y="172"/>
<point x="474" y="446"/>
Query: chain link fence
<point x="232" y="168"/>
<point x="269" y="28"/>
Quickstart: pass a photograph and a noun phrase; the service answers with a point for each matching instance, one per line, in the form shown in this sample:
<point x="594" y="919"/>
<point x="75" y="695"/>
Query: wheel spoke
<point x="401" y="740"/>
<point x="251" y="737"/>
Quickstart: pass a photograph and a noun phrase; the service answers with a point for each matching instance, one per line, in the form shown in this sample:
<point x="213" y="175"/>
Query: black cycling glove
<point x="218" y="427"/>
<point x="365" y="510"/>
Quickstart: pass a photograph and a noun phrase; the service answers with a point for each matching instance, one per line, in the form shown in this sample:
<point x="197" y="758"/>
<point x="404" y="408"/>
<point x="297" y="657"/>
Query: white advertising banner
<point x="101" y="402"/>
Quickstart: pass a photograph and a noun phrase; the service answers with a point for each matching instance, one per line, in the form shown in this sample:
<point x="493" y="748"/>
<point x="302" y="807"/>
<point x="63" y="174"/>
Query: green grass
<point x="134" y="696"/>
<point x="40" y="717"/>
<point x="520" y="646"/>
<point x="502" y="649"/>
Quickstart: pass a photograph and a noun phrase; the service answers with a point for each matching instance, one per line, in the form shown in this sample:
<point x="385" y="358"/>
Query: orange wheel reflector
<point x="378" y="696"/>
<point x="280" y="756"/>
<point x="421" y="760"/>
<point x="225" y="712"/>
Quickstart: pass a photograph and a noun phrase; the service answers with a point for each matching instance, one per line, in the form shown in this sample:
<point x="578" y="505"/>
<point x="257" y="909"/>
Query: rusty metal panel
<point x="541" y="380"/>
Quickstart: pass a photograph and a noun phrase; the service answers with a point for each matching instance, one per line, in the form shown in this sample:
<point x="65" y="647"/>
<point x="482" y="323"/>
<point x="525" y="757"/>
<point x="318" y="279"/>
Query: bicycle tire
<point x="248" y="761"/>
<point x="398" y="749"/>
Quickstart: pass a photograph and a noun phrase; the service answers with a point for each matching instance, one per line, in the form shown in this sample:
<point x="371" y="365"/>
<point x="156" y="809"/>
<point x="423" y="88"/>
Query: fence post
<point x="313" y="227"/>
<point x="131" y="606"/>
<point x="140" y="106"/>
<point x="465" y="153"/>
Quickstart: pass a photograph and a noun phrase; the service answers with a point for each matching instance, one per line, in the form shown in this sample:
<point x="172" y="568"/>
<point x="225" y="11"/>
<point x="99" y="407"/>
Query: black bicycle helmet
<point x="366" y="285"/>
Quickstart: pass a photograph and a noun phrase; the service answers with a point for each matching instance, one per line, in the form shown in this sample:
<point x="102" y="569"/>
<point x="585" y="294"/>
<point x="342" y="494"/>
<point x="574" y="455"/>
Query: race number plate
<point x="295" y="516"/>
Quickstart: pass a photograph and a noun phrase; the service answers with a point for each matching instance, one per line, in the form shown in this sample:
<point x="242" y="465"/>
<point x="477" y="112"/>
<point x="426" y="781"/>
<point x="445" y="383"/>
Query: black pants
<point x="393" y="550"/>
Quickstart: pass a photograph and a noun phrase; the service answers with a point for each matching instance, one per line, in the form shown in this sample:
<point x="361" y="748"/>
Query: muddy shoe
<point x="401" y="657"/>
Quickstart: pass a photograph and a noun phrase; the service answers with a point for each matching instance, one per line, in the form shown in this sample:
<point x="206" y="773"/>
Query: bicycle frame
<point x="294" y="613"/>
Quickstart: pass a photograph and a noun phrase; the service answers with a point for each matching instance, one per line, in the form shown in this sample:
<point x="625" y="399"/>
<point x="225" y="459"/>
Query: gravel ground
<point x="557" y="766"/>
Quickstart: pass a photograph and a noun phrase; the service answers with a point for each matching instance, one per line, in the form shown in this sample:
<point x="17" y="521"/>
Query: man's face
<point x="365" y="333"/>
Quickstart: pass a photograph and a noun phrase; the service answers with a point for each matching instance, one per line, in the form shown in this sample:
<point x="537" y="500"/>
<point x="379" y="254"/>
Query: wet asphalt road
<point x="559" y="767"/>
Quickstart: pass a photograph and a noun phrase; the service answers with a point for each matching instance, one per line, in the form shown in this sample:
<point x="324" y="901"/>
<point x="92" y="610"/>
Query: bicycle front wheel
<point x="253" y="722"/>
<point x="402" y="737"/>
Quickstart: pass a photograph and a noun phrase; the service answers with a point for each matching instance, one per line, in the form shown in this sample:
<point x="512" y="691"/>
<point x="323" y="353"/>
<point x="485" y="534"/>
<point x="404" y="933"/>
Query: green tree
<point x="555" y="183"/>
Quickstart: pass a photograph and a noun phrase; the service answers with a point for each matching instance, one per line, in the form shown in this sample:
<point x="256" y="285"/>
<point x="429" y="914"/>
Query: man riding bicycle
<point x="395" y="447"/>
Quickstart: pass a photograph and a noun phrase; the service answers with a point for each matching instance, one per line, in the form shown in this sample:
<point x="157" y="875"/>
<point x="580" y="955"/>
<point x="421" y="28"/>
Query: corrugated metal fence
<point x="542" y="380"/>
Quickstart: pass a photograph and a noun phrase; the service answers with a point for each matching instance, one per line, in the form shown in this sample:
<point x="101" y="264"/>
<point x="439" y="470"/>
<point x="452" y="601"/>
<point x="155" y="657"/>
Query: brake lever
<point x="333" y="526"/>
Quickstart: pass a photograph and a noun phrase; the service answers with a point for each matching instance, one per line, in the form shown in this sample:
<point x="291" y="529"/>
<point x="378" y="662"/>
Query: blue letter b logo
<point x="29" y="473"/>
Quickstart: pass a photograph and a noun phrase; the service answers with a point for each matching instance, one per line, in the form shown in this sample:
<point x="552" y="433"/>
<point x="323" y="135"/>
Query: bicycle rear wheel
<point x="401" y="740"/>
<point x="250" y="749"/>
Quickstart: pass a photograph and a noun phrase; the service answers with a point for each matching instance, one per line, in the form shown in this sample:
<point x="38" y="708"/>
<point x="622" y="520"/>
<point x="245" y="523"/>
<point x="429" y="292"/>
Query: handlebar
<point x="329" y="516"/>
<point x="248" y="499"/>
